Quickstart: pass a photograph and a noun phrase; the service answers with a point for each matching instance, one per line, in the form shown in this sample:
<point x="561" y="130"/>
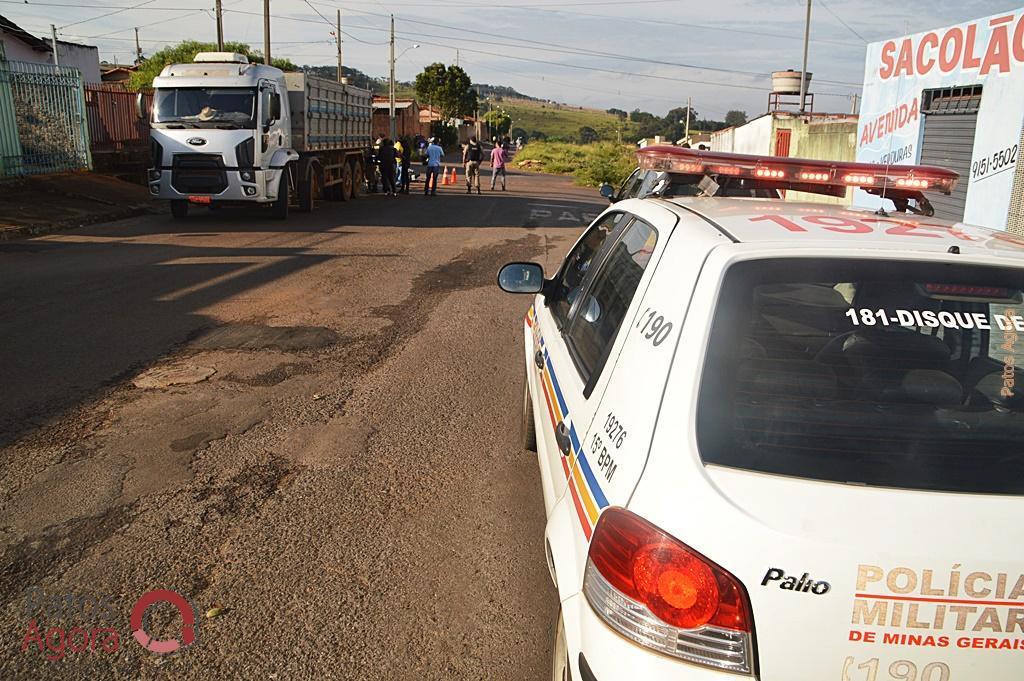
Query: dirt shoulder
<point x="39" y="205"/>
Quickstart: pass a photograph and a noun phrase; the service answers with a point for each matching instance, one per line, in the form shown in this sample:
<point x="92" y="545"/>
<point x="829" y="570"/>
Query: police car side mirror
<point x="521" y="277"/>
<point x="608" y="192"/>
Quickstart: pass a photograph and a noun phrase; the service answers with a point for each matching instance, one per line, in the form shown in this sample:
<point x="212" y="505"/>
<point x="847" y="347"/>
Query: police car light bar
<point x="790" y="173"/>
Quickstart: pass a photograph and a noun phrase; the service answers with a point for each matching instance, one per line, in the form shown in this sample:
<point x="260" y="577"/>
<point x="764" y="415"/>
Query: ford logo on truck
<point x="196" y="141"/>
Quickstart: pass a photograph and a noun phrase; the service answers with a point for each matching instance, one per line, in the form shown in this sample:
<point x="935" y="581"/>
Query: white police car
<point x="781" y="440"/>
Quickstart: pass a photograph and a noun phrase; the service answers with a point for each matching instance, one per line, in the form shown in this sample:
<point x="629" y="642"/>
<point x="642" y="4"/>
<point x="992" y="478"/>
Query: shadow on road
<point x="77" y="316"/>
<point x="85" y="309"/>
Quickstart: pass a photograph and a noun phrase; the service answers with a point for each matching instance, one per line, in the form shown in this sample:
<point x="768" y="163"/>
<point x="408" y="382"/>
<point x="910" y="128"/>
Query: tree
<point x="185" y="52"/>
<point x="733" y="118"/>
<point x="588" y="135"/>
<point x="447" y="88"/>
<point x="498" y="120"/>
<point x="618" y="112"/>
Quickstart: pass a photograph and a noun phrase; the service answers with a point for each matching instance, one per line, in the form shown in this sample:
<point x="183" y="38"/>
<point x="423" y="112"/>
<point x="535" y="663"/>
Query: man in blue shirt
<point x="434" y="154"/>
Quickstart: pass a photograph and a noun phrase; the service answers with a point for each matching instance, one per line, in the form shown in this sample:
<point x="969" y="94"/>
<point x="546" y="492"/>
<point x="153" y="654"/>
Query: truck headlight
<point x="154" y="174"/>
<point x="250" y="191"/>
<point x="248" y="176"/>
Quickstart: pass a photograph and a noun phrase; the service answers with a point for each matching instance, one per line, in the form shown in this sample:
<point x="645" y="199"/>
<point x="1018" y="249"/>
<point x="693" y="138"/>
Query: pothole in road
<point x="274" y="376"/>
<point x="175" y="374"/>
<point x="261" y="337"/>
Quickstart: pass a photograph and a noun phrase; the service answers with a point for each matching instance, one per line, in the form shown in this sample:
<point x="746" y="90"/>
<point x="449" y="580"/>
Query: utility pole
<point x="341" y="79"/>
<point x="266" y="32"/>
<point x="689" y="105"/>
<point x="391" y="97"/>
<point x="456" y="56"/>
<point x="53" y="34"/>
<point x="220" y="26"/>
<point x="138" y="48"/>
<point x="803" y="71"/>
<point x="856" y="100"/>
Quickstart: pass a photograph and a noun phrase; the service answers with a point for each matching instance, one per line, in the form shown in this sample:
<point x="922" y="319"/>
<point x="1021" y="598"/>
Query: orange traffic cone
<point x="455" y="177"/>
<point x="444" y="177"/>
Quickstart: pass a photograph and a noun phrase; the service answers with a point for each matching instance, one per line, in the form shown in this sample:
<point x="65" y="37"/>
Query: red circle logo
<point x="163" y="646"/>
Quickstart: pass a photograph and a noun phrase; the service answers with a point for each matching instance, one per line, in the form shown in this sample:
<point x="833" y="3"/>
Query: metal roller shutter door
<point x="948" y="142"/>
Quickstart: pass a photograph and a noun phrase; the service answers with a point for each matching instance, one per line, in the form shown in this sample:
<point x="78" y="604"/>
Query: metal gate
<point x="42" y="119"/>
<point x="950" y="120"/>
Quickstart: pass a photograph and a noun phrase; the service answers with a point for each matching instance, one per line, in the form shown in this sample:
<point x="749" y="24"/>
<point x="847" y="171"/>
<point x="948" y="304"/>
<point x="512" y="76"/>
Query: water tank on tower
<point x="786" y="91"/>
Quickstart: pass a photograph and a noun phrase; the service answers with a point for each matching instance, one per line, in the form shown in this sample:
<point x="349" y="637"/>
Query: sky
<point x="627" y="54"/>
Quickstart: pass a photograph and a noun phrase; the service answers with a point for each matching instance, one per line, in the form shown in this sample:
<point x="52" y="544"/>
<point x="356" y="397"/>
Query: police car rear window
<point x="868" y="372"/>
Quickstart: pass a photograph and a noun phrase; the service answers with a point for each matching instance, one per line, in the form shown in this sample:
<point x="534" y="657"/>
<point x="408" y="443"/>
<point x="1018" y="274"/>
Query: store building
<point x="952" y="97"/>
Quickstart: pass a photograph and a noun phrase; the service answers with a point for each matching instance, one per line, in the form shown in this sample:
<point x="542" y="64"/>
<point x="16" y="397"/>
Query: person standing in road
<point x="386" y="158"/>
<point x="434" y="155"/>
<point x="498" y="159"/>
<point x="399" y="148"/>
<point x="472" y="155"/>
<point x="403" y="186"/>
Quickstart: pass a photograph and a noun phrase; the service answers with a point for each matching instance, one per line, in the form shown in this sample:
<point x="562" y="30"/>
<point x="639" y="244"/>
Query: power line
<point x="108" y="14"/>
<point x="419" y="38"/>
<point x="840" y="20"/>
<point x="706" y="27"/>
<point x="576" y="86"/>
<point x="25" y="3"/>
<point x="546" y="46"/>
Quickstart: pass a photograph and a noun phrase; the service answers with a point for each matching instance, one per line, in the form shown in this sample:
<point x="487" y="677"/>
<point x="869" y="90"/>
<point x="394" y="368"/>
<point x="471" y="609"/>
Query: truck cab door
<point x="272" y="117"/>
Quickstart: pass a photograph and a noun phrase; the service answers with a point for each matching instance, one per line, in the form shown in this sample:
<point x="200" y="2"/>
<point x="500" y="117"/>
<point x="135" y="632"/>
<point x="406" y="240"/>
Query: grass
<point x="589" y="164"/>
<point x="562" y="123"/>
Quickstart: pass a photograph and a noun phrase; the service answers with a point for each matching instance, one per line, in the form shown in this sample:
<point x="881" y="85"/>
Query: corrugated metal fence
<point x="113" y="122"/>
<point x="42" y="119"/>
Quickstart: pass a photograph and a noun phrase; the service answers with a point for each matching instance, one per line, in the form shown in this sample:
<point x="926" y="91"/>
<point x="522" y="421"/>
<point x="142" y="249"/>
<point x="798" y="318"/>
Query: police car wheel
<point x="560" y="670"/>
<point x="529" y="430"/>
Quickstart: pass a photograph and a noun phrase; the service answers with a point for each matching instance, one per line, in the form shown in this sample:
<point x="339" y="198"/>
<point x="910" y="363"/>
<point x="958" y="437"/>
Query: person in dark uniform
<point x="406" y="162"/>
<point x="386" y="158"/>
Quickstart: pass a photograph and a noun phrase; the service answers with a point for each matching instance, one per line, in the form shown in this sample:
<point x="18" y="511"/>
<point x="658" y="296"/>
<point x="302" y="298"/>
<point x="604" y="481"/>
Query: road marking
<point x="539" y="211"/>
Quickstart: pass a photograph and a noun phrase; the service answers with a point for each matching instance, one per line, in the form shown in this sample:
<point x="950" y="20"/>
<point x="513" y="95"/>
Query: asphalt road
<point x="311" y="426"/>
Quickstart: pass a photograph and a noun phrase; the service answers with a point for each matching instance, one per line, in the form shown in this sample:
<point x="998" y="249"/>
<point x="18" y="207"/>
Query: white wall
<point x="84" y="58"/>
<point x="755" y="137"/>
<point x="723" y="140"/>
<point x="16" y="50"/>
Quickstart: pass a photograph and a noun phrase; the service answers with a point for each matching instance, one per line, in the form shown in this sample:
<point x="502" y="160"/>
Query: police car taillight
<point x="787" y="171"/>
<point x="660" y="593"/>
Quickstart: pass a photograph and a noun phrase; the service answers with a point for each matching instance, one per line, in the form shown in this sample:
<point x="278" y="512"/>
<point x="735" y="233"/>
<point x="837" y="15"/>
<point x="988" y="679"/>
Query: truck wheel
<point x="307" y="187"/>
<point x="357" y="179"/>
<point x="179" y="209"/>
<point x="280" y="206"/>
<point x="345" y="186"/>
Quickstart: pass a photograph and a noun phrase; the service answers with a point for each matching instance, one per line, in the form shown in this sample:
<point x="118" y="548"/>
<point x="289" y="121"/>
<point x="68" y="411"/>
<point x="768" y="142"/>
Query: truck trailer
<point x="224" y="131"/>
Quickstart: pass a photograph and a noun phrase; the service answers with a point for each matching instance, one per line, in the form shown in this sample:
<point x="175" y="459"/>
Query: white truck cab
<point x="227" y="131"/>
<point x="781" y="440"/>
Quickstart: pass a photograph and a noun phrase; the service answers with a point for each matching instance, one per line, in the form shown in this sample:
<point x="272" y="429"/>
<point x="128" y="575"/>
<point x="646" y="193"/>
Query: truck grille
<point x="199" y="174"/>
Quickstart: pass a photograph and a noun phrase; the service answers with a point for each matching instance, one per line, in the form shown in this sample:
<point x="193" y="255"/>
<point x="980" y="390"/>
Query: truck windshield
<point x="868" y="372"/>
<point x="206" y="107"/>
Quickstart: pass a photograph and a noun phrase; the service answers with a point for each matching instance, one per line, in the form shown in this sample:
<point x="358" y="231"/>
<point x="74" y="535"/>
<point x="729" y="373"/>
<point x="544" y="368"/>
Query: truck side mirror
<point x="608" y="192"/>
<point x="140" y="106"/>
<point x="275" y="106"/>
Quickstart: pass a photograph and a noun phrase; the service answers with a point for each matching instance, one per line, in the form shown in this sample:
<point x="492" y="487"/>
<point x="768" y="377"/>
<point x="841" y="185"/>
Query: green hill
<point x="561" y="122"/>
